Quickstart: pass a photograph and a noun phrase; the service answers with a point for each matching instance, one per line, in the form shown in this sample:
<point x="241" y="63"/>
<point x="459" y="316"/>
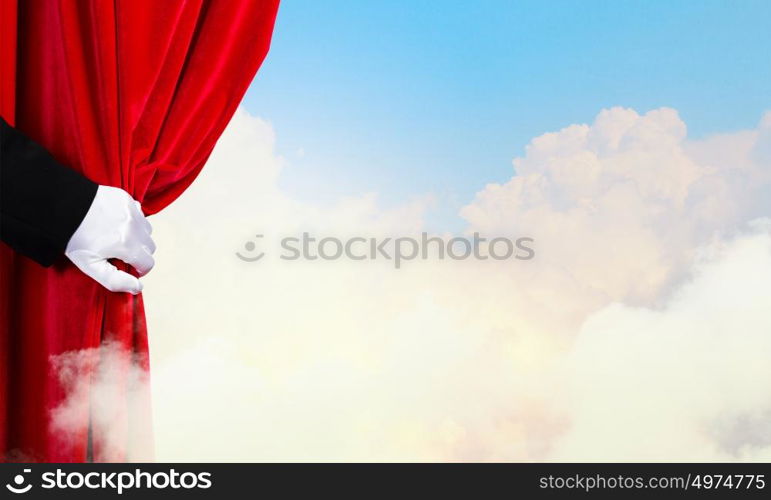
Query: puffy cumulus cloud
<point x="446" y="360"/>
<point x="619" y="206"/>
<point x="688" y="381"/>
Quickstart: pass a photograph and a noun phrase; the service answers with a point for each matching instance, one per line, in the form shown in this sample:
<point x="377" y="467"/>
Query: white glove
<point x="114" y="227"/>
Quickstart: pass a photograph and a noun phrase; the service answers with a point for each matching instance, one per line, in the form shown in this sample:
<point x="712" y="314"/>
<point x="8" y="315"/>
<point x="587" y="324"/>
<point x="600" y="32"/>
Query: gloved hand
<point x="114" y="227"/>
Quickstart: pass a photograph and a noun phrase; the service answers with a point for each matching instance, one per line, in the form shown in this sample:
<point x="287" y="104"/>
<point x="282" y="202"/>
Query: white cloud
<point x="103" y="385"/>
<point x="466" y="360"/>
<point x="688" y="381"/>
<point x="620" y="206"/>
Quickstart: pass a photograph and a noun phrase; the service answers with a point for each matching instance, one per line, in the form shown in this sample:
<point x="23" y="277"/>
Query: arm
<point x="41" y="201"/>
<point x="47" y="209"/>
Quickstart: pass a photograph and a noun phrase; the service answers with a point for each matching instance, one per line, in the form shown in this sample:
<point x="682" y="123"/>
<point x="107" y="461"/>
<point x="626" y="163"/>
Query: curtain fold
<point x="133" y="94"/>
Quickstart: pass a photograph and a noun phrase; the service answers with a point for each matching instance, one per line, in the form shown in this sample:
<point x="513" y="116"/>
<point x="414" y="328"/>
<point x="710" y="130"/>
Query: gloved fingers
<point x="140" y="216"/>
<point x="143" y="262"/>
<point x="111" y="278"/>
<point x="138" y="257"/>
<point x="113" y="227"/>
<point x="147" y="243"/>
<point x="143" y="238"/>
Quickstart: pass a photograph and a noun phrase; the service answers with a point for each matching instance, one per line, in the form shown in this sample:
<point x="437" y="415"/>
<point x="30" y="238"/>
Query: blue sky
<point x="409" y="97"/>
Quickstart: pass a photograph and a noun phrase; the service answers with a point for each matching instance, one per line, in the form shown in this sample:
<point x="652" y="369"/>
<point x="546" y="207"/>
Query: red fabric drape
<point x="134" y="94"/>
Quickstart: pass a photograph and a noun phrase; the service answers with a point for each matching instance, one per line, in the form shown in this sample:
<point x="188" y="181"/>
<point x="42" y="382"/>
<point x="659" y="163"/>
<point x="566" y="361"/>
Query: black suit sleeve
<point x="42" y="202"/>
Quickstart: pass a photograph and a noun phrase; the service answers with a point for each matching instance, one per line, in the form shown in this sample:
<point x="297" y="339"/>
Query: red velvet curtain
<point x="134" y="94"/>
